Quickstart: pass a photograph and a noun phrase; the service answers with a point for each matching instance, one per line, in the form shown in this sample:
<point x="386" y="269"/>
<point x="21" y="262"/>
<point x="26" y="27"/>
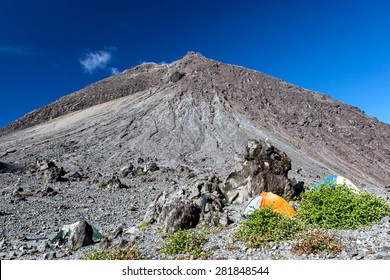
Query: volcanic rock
<point x="152" y="166"/>
<point x="115" y="183"/>
<point x="198" y="195"/>
<point x="179" y="215"/>
<point x="265" y="169"/>
<point x="82" y="236"/>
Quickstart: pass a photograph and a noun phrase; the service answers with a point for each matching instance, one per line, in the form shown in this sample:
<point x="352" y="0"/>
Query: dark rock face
<point x="262" y="157"/>
<point x="176" y="76"/>
<point x="265" y="169"/>
<point x="179" y="215"/>
<point x="200" y="201"/>
<point x="2" y="165"/>
<point x="82" y="236"/>
<point x="152" y="166"/>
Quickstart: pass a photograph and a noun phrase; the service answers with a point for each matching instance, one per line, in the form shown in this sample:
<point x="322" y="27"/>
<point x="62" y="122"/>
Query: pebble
<point x="49" y="256"/>
<point x="359" y="257"/>
<point x="330" y="256"/>
<point x="43" y="247"/>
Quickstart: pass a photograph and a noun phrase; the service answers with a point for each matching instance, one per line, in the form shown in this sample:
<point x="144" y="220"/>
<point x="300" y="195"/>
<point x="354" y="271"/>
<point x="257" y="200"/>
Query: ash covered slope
<point x="200" y="112"/>
<point x="133" y="80"/>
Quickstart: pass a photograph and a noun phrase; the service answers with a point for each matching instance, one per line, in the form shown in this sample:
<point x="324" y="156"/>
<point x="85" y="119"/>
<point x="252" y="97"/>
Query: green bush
<point x="26" y="194"/>
<point x="185" y="242"/>
<point x="129" y="253"/>
<point x="143" y="226"/>
<point x="340" y="208"/>
<point x="315" y="242"/>
<point x="102" y="185"/>
<point x="265" y="225"/>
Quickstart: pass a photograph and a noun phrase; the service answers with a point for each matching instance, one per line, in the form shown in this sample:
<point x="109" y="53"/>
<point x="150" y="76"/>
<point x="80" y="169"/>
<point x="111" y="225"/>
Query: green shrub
<point x="26" y="194"/>
<point x="315" y="242"/>
<point x="143" y="226"/>
<point x="185" y="242"/>
<point x="129" y="253"/>
<point x="340" y="208"/>
<point x="265" y="225"/>
<point x="102" y="185"/>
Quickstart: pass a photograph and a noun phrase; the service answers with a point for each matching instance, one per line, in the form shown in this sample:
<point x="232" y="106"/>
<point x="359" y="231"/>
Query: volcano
<point x="199" y="112"/>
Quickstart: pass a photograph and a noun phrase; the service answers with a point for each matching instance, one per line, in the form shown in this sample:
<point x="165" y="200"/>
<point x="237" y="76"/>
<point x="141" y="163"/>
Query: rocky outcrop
<point x="116" y="183"/>
<point x="82" y="236"/>
<point x="200" y="201"/>
<point x="51" y="172"/>
<point x="2" y="165"/>
<point x="179" y="215"/>
<point x="265" y="169"/>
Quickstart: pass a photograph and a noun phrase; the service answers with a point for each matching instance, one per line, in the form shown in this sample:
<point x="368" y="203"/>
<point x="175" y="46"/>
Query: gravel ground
<point x="28" y="224"/>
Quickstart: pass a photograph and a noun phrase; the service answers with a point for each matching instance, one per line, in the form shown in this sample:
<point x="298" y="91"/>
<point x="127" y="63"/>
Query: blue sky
<point x="52" y="48"/>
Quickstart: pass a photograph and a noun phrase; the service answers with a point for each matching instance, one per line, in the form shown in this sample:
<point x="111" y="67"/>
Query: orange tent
<point x="269" y="199"/>
<point x="278" y="203"/>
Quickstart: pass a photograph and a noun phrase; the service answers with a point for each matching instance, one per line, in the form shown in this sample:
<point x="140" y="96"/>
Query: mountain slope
<point x="199" y="112"/>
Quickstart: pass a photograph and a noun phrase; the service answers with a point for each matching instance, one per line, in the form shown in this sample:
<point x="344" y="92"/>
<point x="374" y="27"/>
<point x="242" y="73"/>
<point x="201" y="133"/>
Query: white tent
<point x="252" y="205"/>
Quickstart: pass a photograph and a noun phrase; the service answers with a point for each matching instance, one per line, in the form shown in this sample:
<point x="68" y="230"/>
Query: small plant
<point x="340" y="208"/>
<point x="25" y="194"/>
<point x="185" y="242"/>
<point x="265" y="225"/>
<point x="129" y="253"/>
<point x="315" y="242"/>
<point x="143" y="226"/>
<point x="102" y="185"/>
<point x="232" y="247"/>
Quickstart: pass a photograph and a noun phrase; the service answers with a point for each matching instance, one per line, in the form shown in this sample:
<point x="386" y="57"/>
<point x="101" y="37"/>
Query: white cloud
<point x="114" y="70"/>
<point x="95" y="60"/>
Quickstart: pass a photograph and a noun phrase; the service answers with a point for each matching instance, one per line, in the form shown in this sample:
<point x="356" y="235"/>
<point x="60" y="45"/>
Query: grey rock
<point x="265" y="169"/>
<point x="124" y="243"/>
<point x="43" y="247"/>
<point x="360" y="256"/>
<point x="125" y="170"/>
<point x="386" y="248"/>
<point x="154" y="209"/>
<point x="76" y="176"/>
<point x="82" y="236"/>
<point x="176" y="76"/>
<point x="16" y="192"/>
<point x="330" y="256"/>
<point x="105" y="243"/>
<point x="353" y="253"/>
<point x="384" y="255"/>
<point x="115" y="183"/>
<point x="48" y="191"/>
<point x="49" y="256"/>
<point x="385" y="219"/>
<point x="179" y="215"/>
<point x="151" y="167"/>
<point x="116" y="233"/>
